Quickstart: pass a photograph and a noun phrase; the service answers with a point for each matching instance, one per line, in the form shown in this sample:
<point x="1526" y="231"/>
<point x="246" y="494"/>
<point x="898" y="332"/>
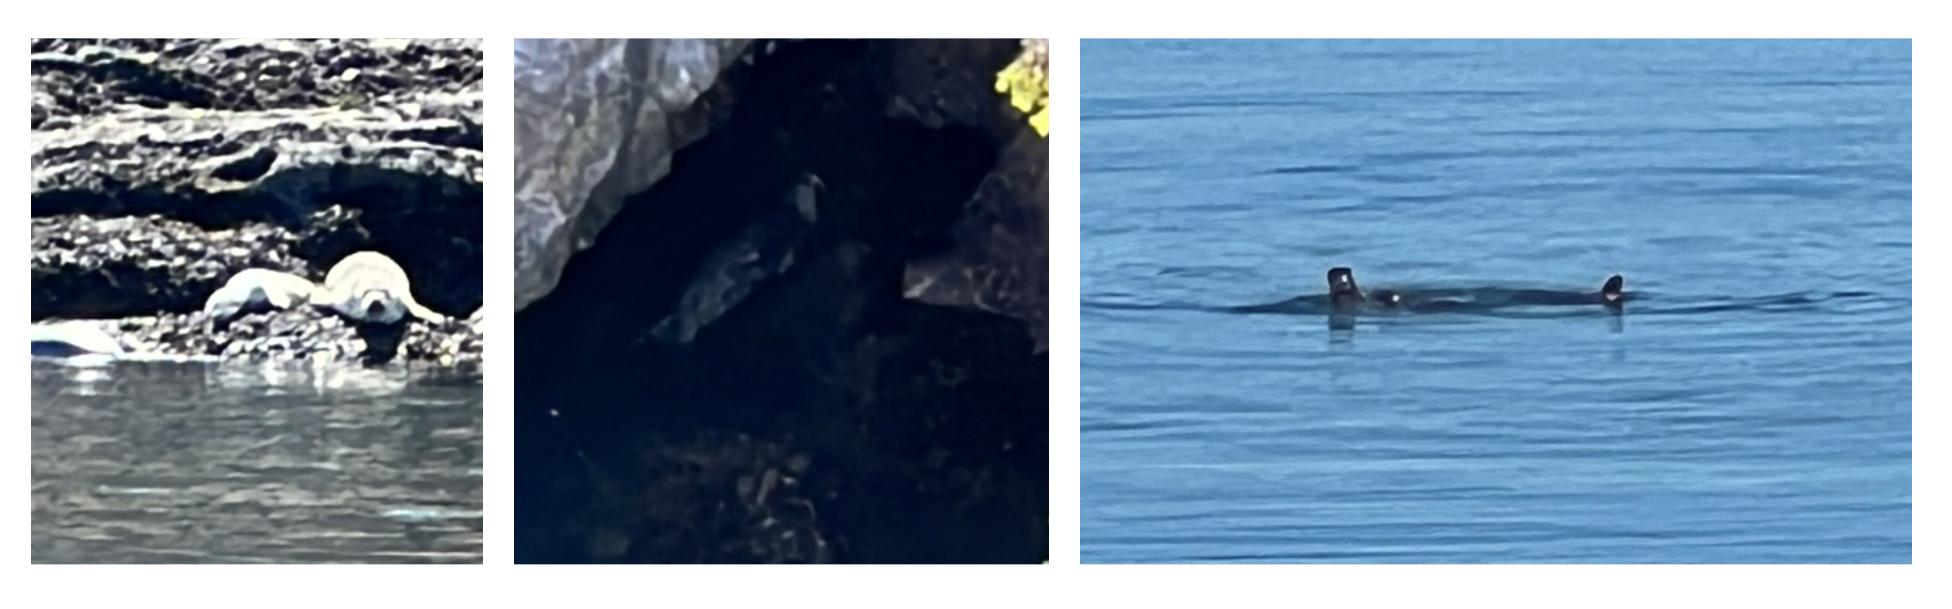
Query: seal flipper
<point x="425" y="314"/>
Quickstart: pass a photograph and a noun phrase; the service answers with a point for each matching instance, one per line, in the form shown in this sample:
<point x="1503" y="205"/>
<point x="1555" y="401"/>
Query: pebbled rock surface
<point x="162" y="167"/>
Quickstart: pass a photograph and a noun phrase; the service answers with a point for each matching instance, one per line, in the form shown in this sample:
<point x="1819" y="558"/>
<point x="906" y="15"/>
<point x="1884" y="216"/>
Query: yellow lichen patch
<point x="1027" y="80"/>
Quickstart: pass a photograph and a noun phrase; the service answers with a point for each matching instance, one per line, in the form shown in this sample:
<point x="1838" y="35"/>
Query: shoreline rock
<point x="163" y="167"/>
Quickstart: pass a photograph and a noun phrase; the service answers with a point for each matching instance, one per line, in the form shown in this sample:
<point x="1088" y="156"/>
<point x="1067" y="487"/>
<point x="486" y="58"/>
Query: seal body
<point x="1612" y="295"/>
<point x="1345" y="298"/>
<point x="368" y="287"/>
<point x="733" y="269"/>
<point x="253" y="290"/>
<point x="72" y="338"/>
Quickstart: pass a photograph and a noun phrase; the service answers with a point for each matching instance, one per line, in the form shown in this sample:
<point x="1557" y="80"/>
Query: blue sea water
<point x="1754" y="406"/>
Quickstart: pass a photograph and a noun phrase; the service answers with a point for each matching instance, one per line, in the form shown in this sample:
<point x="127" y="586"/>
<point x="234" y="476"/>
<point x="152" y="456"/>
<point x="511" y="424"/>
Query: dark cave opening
<point x="926" y="427"/>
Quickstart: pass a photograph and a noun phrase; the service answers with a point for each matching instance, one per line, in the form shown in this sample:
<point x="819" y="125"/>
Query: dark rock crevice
<point x="920" y="431"/>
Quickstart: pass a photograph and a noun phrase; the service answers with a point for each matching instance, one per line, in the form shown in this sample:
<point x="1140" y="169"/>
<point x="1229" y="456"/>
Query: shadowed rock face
<point x="162" y="167"/>
<point x="1000" y="260"/>
<point x="901" y="405"/>
<point x="634" y="102"/>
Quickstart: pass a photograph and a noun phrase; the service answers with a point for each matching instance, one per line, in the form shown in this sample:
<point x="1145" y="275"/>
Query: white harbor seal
<point x="369" y="287"/>
<point x="255" y="289"/>
<point x="72" y="338"/>
<point x="730" y="271"/>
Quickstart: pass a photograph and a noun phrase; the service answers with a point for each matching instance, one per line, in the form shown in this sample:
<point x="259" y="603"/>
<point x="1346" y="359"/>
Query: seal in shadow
<point x="732" y="270"/>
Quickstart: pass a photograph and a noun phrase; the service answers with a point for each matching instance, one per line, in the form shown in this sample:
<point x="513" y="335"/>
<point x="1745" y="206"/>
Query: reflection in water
<point x="1342" y="325"/>
<point x="237" y="462"/>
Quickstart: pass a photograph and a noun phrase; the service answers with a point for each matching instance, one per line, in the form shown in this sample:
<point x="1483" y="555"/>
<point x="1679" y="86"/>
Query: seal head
<point x="733" y="269"/>
<point x="257" y="290"/>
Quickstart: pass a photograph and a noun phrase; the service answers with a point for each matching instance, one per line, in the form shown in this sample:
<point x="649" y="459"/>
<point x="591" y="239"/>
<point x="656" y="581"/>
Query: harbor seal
<point x="368" y="287"/>
<point x="733" y="269"/>
<point x="72" y="338"/>
<point x="255" y="290"/>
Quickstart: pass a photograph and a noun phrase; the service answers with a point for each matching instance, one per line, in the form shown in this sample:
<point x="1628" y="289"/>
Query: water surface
<point x="239" y="462"/>
<point x="1754" y="407"/>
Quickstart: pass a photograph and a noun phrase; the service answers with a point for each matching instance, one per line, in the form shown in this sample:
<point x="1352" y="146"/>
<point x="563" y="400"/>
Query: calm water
<point x="187" y="462"/>
<point x="1754" y="407"/>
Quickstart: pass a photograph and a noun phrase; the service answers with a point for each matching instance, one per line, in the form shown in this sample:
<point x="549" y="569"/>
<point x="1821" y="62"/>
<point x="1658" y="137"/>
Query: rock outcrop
<point x="162" y="167"/>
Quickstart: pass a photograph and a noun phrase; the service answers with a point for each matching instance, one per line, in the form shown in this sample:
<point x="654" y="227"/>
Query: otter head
<point x="1342" y="281"/>
<point x="1614" y="290"/>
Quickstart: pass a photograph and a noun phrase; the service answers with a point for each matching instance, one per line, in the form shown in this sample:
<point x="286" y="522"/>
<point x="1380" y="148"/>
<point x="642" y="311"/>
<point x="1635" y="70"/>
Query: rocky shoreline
<point x="163" y="167"/>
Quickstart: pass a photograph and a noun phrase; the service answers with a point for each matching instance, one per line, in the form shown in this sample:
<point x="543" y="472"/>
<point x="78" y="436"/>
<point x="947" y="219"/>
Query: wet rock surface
<point x="163" y="167"/>
<point x="893" y="428"/>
